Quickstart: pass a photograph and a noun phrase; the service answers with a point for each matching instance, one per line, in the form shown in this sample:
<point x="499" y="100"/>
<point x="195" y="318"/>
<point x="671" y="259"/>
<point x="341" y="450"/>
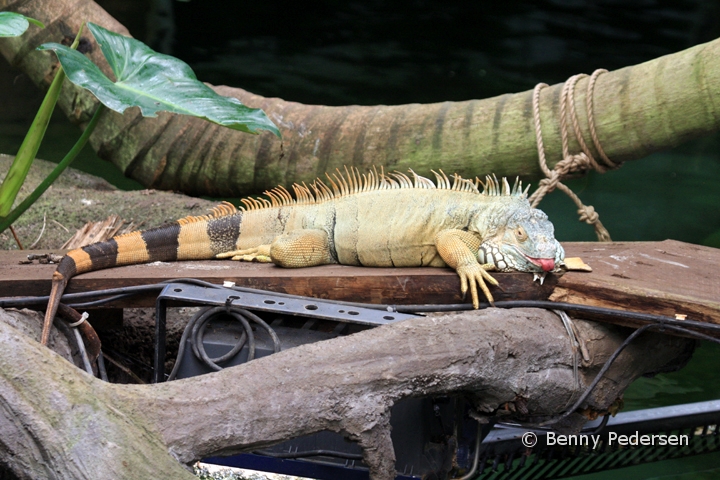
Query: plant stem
<point x="28" y="149"/>
<point x="5" y="222"/>
<point x="31" y="143"/>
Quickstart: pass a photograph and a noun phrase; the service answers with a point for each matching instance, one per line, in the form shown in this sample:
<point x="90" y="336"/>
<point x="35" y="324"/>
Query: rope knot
<point x="577" y="163"/>
<point x="571" y="163"/>
<point x="549" y="184"/>
<point x="588" y="214"/>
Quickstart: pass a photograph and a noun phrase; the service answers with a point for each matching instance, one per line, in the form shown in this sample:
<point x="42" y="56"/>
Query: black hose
<point x="606" y="366"/>
<point x="195" y="331"/>
<point x="614" y="356"/>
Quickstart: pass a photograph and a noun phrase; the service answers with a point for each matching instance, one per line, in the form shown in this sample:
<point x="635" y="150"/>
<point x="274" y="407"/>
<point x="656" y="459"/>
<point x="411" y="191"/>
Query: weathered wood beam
<point x="339" y="282"/>
<point x="664" y="278"/>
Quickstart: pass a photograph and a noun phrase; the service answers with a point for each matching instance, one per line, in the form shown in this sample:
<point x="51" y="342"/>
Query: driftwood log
<point x="58" y="422"/>
<point x="638" y="110"/>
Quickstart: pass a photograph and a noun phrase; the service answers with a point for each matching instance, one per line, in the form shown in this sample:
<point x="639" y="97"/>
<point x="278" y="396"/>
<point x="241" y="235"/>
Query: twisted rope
<point x="572" y="163"/>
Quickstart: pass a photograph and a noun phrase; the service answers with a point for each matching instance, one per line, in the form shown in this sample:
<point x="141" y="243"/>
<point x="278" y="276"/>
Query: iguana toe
<point x="252" y="258"/>
<point x="470" y="277"/>
<point x="255" y="254"/>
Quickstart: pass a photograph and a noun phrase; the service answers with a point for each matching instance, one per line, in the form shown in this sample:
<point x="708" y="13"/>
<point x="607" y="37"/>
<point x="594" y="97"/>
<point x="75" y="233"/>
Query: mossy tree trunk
<point x="58" y="422"/>
<point x="638" y="110"/>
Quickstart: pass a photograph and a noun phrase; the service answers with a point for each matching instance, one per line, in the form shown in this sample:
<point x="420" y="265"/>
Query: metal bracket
<point x="270" y="302"/>
<point x="265" y="302"/>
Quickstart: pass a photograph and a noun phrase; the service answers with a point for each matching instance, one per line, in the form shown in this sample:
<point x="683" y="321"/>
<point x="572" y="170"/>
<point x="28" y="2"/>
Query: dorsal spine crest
<point x="352" y="182"/>
<point x="225" y="208"/>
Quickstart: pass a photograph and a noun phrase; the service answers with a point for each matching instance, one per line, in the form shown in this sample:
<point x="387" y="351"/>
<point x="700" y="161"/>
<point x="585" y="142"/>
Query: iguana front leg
<point x="458" y="249"/>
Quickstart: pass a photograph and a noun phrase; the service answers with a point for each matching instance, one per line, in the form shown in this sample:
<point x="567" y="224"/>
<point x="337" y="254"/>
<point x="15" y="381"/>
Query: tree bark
<point x="58" y="422"/>
<point x="638" y="110"/>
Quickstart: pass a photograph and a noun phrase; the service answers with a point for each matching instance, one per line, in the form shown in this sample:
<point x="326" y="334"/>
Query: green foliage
<point x="28" y="150"/>
<point x="154" y="82"/>
<point x="13" y="24"/>
<point x="26" y="154"/>
<point x="144" y="78"/>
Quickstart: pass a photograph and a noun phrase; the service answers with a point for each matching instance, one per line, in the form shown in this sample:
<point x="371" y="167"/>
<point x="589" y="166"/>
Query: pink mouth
<point x="547" y="264"/>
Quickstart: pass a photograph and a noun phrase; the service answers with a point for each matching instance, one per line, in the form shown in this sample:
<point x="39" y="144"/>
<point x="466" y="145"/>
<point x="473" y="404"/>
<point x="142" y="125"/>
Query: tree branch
<point x="346" y="385"/>
<point x="638" y="110"/>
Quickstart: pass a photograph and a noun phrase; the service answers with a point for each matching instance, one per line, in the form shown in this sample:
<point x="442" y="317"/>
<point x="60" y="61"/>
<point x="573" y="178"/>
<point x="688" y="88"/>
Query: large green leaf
<point x="154" y="82"/>
<point x="13" y="24"/>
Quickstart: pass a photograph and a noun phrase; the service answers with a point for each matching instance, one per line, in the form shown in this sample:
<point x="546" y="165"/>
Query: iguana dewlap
<point x="373" y="220"/>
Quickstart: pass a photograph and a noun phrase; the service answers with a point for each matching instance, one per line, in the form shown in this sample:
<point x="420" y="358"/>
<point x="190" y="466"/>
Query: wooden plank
<point x="664" y="278"/>
<point x="373" y="285"/>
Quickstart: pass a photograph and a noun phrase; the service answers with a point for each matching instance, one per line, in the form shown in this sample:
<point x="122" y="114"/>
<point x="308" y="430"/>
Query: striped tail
<point x="190" y="238"/>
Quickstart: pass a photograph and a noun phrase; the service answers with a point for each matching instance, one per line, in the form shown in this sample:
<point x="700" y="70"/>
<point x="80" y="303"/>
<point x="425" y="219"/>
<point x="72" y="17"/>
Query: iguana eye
<point x="520" y="234"/>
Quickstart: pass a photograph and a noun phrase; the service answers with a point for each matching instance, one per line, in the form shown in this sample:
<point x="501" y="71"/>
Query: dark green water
<point x="374" y="52"/>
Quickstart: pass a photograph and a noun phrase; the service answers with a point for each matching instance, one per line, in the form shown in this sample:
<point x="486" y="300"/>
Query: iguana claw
<point x="474" y="275"/>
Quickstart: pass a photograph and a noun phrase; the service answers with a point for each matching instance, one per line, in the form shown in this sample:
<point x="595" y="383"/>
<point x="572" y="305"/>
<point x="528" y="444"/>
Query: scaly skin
<point x="373" y="220"/>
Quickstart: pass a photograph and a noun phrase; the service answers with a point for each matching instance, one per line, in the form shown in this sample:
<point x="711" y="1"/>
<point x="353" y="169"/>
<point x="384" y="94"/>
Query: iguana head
<point x="523" y="241"/>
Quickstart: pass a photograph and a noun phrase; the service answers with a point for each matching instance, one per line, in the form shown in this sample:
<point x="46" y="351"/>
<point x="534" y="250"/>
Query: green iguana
<point x="373" y="219"/>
